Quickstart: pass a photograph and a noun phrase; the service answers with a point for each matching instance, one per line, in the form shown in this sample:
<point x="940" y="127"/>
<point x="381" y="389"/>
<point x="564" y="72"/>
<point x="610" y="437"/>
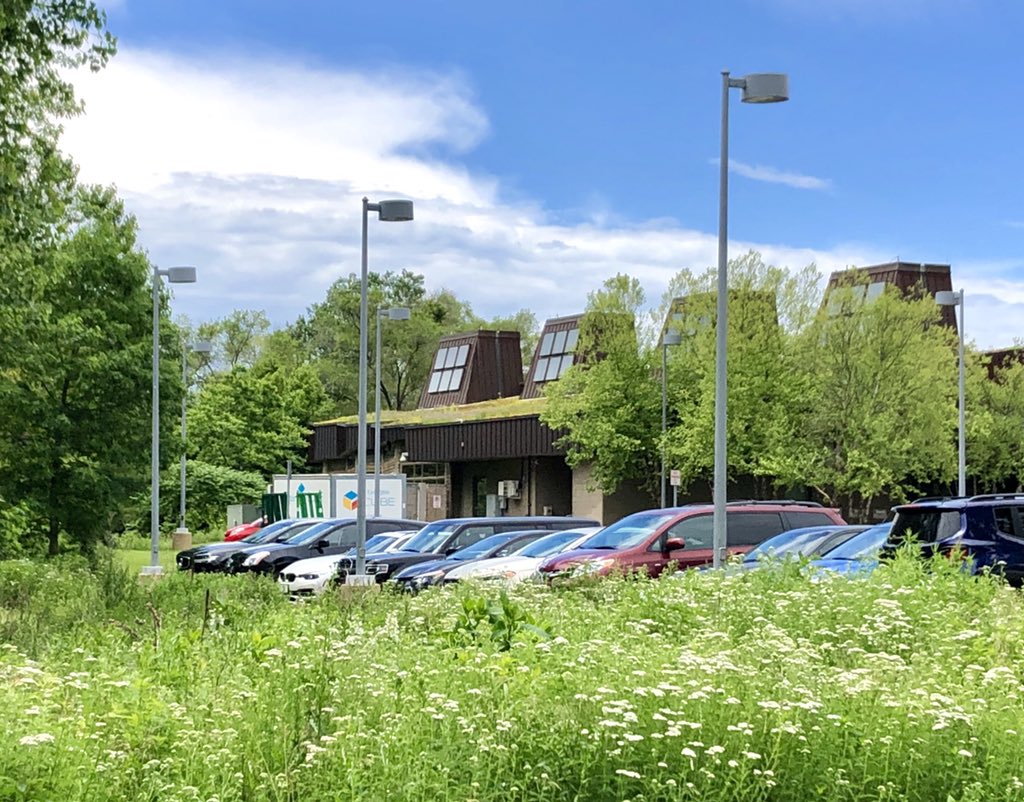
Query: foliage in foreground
<point x="906" y="685"/>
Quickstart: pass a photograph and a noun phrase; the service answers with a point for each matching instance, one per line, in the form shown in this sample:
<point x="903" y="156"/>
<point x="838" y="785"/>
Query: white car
<point x="310" y="576"/>
<point x="523" y="565"/>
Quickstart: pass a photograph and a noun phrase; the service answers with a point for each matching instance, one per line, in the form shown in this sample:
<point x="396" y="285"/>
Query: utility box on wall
<point x="242" y="514"/>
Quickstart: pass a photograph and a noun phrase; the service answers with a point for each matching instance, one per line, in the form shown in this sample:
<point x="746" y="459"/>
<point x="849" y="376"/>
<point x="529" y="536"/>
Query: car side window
<point x="339" y="536"/>
<point x="380" y="527"/>
<point x="801" y="519"/>
<point x="1005" y="522"/>
<point x="751" y="528"/>
<point x="471" y="535"/>
<point x="695" y="531"/>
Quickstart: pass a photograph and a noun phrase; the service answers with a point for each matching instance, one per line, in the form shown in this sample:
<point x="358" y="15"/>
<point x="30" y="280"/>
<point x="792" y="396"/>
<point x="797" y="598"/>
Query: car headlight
<point x="593" y="566"/>
<point x="255" y="559"/>
<point x="202" y="558"/>
<point x="377" y="568"/>
<point x="309" y="576"/>
<point x="428" y="578"/>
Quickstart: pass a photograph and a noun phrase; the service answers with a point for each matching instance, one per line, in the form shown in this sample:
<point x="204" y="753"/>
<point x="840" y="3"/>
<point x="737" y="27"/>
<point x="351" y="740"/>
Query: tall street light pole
<point x="175" y="275"/>
<point x="395" y="313"/>
<point x="669" y="338"/>
<point x="388" y="211"/>
<point x="956" y="298"/>
<point x="197" y="347"/>
<point x="767" y="87"/>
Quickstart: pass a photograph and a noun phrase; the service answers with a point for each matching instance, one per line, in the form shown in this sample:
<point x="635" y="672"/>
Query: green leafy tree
<point x="41" y="43"/>
<point x="767" y="306"/>
<point x="330" y="333"/>
<point x="873" y="407"/>
<point x="609" y="404"/>
<point x="76" y="376"/>
<point x="237" y="339"/>
<point x="995" y="423"/>
<point x="249" y="422"/>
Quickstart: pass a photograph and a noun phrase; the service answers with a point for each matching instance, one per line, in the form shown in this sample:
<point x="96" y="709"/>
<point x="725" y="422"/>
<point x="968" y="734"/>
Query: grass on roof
<point x="484" y="410"/>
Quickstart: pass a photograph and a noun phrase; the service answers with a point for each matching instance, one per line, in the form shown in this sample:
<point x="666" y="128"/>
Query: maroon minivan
<point x="648" y="541"/>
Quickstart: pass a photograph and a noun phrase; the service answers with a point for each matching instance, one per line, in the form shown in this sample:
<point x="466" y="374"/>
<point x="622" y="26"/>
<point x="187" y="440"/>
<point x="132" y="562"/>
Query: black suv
<point x="333" y="536"/>
<point x="437" y="540"/>
<point x="988" y="530"/>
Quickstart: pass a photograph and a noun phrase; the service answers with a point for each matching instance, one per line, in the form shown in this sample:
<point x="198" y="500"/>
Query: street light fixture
<point x="391" y="211"/>
<point x="197" y="347"/>
<point x="669" y="338"/>
<point x="175" y="275"/>
<point x="766" y="87"/>
<point x="395" y="313"/>
<point x="956" y="298"/>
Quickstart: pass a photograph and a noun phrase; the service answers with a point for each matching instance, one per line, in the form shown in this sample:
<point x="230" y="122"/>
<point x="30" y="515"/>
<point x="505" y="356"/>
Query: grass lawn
<point x="135" y="559"/>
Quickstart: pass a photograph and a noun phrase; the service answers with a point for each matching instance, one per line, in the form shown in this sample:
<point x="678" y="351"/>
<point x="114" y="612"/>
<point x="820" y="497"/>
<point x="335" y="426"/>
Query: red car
<point x="243" y="530"/>
<point x="648" y="541"/>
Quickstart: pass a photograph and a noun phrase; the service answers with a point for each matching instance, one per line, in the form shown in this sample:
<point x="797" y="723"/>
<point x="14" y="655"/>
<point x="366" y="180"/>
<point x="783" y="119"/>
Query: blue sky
<point x="550" y="144"/>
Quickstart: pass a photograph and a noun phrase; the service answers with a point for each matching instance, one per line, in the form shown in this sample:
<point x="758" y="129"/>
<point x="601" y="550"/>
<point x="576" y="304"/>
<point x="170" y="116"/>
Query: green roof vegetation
<point x="514" y="407"/>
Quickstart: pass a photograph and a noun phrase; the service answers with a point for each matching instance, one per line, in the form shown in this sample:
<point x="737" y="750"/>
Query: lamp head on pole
<point x="395" y="211"/>
<point x="201" y="347"/>
<point x="396" y="313"/>
<point x="948" y="297"/>
<point x="671" y="338"/>
<point x="179" y="275"/>
<point x="765" y="87"/>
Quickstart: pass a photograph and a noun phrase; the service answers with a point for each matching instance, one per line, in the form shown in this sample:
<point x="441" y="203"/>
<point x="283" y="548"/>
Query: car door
<point x="1009" y="524"/>
<point x="695" y="531"/>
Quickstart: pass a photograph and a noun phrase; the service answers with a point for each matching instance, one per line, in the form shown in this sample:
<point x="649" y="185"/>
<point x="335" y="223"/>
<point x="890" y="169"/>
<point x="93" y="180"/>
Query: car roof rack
<point x="755" y="502"/>
<point x="785" y="502"/>
<point x="998" y="497"/>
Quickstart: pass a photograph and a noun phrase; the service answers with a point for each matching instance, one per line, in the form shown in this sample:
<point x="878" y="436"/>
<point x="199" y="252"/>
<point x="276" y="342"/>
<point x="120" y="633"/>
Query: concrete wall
<point x="606" y="508"/>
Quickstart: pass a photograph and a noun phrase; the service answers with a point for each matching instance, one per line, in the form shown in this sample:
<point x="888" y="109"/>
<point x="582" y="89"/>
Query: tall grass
<point x="761" y="686"/>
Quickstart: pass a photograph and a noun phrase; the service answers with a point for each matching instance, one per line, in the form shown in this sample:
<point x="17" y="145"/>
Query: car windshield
<point x="269" y="533"/>
<point x="375" y="543"/>
<point x="630" y="531"/>
<point x="792" y="542"/>
<point x="862" y="545"/>
<point x="924" y="524"/>
<point x="549" y="544"/>
<point x="481" y="547"/>
<point x="310" y="532"/>
<point x="429" y="539"/>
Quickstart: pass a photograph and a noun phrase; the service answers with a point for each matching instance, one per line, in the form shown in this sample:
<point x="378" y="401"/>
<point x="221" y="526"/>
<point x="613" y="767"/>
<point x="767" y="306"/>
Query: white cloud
<point x="773" y="175"/>
<point x="254" y="170"/>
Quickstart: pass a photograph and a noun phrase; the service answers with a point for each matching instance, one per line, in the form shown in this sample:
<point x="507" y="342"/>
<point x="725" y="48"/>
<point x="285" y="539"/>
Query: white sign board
<point x="675" y="478"/>
<point x="338" y="491"/>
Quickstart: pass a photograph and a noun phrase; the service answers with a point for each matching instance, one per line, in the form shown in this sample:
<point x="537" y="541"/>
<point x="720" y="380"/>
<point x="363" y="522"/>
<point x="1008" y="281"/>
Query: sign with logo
<point x="340" y="494"/>
<point x="675" y="478"/>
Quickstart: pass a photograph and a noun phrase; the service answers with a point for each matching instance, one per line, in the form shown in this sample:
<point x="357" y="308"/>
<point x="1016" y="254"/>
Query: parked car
<point x="309" y="576"/>
<point x="433" y="572"/>
<point x="243" y="530"/>
<point x="215" y="556"/>
<point x="808" y="541"/>
<point x="988" y="530"/>
<point x="858" y="555"/>
<point x="649" y="541"/>
<point x="447" y="536"/>
<point x="523" y="564"/>
<point x="332" y="537"/>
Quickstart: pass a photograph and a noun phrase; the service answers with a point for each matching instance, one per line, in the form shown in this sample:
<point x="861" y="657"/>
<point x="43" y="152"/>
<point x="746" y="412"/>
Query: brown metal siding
<point x="481" y="440"/>
<point x="909" y="277"/>
<point x="494" y="369"/>
<point x="334" y="441"/>
<point x="532" y="389"/>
